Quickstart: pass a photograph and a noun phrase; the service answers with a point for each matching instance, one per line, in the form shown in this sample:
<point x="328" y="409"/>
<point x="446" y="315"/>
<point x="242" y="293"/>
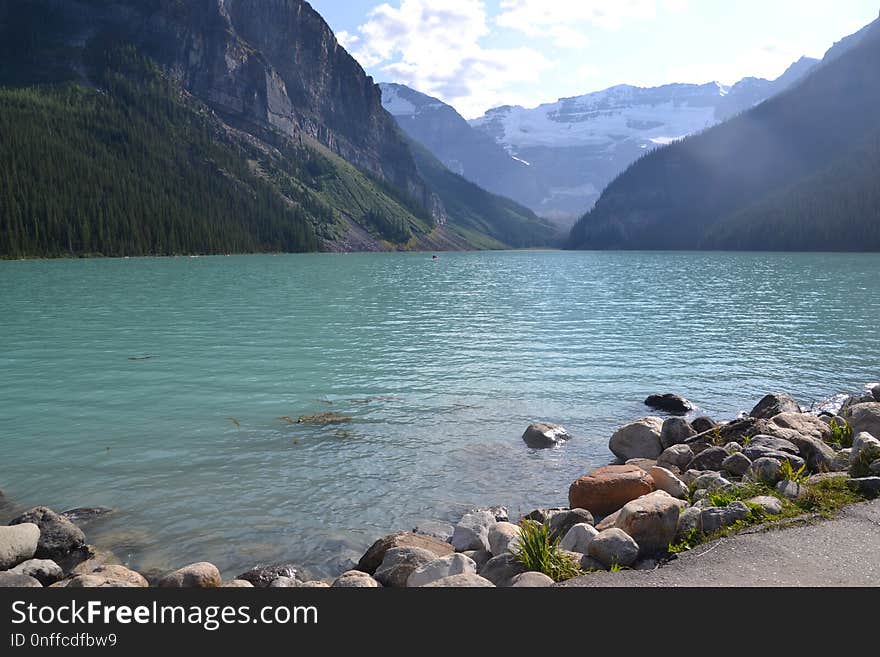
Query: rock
<point x="502" y="569"/>
<point x="806" y="425"/>
<point x="503" y="536"/>
<point x="865" y="450"/>
<point x="284" y="583"/>
<point x="774" y="444"/>
<point x="400" y="563"/>
<point x="314" y="585"/>
<point x="764" y="470"/>
<point x="115" y="572"/>
<point x="605" y="490"/>
<point x="531" y="580"/>
<point x="591" y="565"/>
<point x="18" y="544"/>
<point x="644" y="464"/>
<point x="736" y="464"/>
<point x="45" y="571"/>
<point x="699" y="495"/>
<point x="842" y="459"/>
<point x="651" y="521"/>
<point x="545" y="436"/>
<point x="864" y="418"/>
<point x="472" y="532"/>
<point x="710" y="481"/>
<point x="479" y="557"/>
<point x="578" y="538"/>
<point x="709" y="459"/>
<point x="614" y="546"/>
<point x="737" y="511"/>
<point x="202" y="575"/>
<point x="500" y="513"/>
<point x="85" y="514"/>
<point x="755" y="453"/>
<point x="689" y="521"/>
<point x="771" y="505"/>
<point x="11" y="580"/>
<point x="59" y="537"/>
<point x="790" y="489"/>
<point x="875" y="467"/>
<point x="670" y="403"/>
<point x="454" y="564"/>
<point x="733" y="448"/>
<point x="374" y="556"/>
<point x="875" y="390"/>
<point x="675" y="431"/>
<point x="95" y="582"/>
<point x="263" y="576"/>
<point x="677" y="456"/>
<point x="543" y="516"/>
<point x="825" y="476"/>
<point x="562" y="522"/>
<point x="355" y="579"/>
<point x="439" y="530"/>
<point x="714" y="518"/>
<point x="703" y="424"/>
<point x="238" y="584"/>
<point x="867" y="486"/>
<point x="666" y="481"/>
<point x="772" y="405"/>
<point x="638" y="440"/>
<point x="461" y="582"/>
<point x="818" y="455"/>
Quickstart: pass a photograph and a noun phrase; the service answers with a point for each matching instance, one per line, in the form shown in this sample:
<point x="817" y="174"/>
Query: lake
<point x="440" y="366"/>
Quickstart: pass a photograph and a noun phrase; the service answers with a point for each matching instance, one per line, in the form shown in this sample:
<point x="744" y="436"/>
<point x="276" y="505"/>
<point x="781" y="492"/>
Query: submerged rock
<point x="670" y="403"/>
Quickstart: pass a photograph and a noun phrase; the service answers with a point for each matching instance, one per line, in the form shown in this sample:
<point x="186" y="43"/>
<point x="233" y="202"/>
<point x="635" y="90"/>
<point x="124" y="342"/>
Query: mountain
<point x="166" y="126"/>
<point x="576" y="146"/>
<point x="798" y="172"/>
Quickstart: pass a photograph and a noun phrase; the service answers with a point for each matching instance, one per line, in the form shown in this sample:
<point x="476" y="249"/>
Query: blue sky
<point x="478" y="54"/>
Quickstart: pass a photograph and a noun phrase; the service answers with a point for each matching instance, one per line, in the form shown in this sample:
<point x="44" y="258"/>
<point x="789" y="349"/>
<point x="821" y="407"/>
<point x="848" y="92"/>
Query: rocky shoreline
<point x="677" y="483"/>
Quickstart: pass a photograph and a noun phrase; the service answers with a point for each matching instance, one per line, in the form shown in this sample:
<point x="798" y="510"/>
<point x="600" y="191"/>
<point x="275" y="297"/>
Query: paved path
<point x="840" y="552"/>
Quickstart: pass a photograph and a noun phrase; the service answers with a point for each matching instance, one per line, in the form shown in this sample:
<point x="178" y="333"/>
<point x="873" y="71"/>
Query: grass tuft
<point x="537" y="552"/>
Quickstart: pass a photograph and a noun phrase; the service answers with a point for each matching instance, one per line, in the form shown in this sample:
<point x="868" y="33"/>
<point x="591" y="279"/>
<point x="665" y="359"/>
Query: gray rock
<point x="651" y="521"/>
<point x="841" y="461"/>
<point x="703" y="424"/>
<point x="864" y="418"/>
<point x="774" y="444"/>
<point x="764" y="470"/>
<point x="500" y="513"/>
<point x="578" y="538"/>
<point x="700" y="494"/>
<point x="690" y="476"/>
<point x="666" y="481"/>
<point x="591" y="565"/>
<point x="670" y="403"/>
<point x="817" y="454"/>
<point x="11" y="580"/>
<point x="18" y="544"/>
<point x="608" y="521"/>
<point x="262" y="576"/>
<point x="502" y="569"/>
<point x="111" y="573"/>
<point x="45" y="571"/>
<point x="675" y="431"/>
<point x="689" y="521"/>
<point x="454" y="564"/>
<point x="461" y="582"/>
<point x="202" y="575"/>
<point x="85" y="514"/>
<point x="755" y="453"/>
<point x="541" y="435"/>
<point x="714" y="518"/>
<point x="790" y="489"/>
<point x="400" y="563"/>
<point x="543" y="516"/>
<point x="771" y="505"/>
<point x="733" y="448"/>
<point x="736" y="464"/>
<point x="737" y="511"/>
<point x="805" y="425"/>
<point x="284" y="583"/>
<point x="875" y="467"/>
<point x="709" y="459"/>
<point x="314" y="584"/>
<point x="710" y="481"/>
<point x="677" y="456"/>
<point x="479" y="557"/>
<point x="772" y="405"/>
<point x="237" y="584"/>
<point x="644" y="464"/>
<point x="59" y="537"/>
<point x="867" y="486"/>
<point x="355" y="579"/>
<point x="614" y="546"/>
<point x="503" y="537"/>
<point x="638" y="440"/>
<point x="439" y="530"/>
<point x="472" y="532"/>
<point x="560" y="523"/>
<point x="875" y="390"/>
<point x="376" y="553"/>
<point x="531" y="580"/>
<point x="865" y="450"/>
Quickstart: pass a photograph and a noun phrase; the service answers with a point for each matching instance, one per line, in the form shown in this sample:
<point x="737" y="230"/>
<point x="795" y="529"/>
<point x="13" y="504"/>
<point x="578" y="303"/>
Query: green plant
<point x="828" y="497"/>
<point x="688" y="542"/>
<point x="746" y="440"/>
<point x="716" y="438"/>
<point x="538" y="552"/>
<point x="798" y="476"/>
<point x="861" y="466"/>
<point x="617" y="568"/>
<point x="841" y="434"/>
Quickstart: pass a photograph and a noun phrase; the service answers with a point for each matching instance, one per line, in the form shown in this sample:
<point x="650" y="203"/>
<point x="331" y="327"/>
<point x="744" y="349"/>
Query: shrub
<point x="841" y="434"/>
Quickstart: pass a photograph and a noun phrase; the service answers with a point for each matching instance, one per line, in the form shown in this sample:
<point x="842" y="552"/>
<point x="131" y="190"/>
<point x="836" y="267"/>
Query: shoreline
<point x="674" y="488"/>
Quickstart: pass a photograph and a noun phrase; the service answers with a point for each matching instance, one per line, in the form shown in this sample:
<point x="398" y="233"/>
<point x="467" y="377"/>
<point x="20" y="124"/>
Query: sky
<point x="479" y="54"/>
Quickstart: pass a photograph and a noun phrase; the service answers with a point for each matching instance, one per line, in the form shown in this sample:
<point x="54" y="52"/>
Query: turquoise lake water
<point x="441" y="366"/>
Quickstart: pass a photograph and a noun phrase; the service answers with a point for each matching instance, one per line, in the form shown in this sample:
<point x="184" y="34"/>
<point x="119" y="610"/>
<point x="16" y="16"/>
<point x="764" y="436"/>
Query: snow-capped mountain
<point x="558" y="157"/>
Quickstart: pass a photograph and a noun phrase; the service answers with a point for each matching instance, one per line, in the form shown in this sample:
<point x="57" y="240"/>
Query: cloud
<point x="768" y="60"/>
<point x="436" y="49"/>
<point x="566" y="22"/>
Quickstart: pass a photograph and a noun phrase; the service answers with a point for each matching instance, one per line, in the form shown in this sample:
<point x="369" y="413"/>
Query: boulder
<point x="374" y="556"/>
<point x="865" y="450"/>
<point x="817" y="454"/>
<point x="500" y="513"/>
<point x="772" y="443"/>
<point x="479" y="557"/>
<point x="689" y="521"/>
<point x="614" y="547"/>
<point x="560" y="523"/>
<point x="543" y="516"/>
<point x="314" y="584"/>
<point x="453" y="564"/>
<point x="18" y="544"/>
<point x="644" y="464"/>
<point x="666" y="481"/>
<point x="45" y="571"/>
<point x="806" y="425"/>
<point x="651" y="521"/>
<point x="503" y="536"/>
<point x="714" y="518"/>
<point x="772" y="405"/>
<point x="790" y="489"/>
<point x="677" y="456"/>
<point x="709" y="459"/>
<point x="605" y="490"/>
<point x="841" y="461"/>
<point x="578" y="538"/>
<point x="608" y="521"/>
<point x="202" y="575"/>
<point x="263" y="576"/>
<point x="755" y="453"/>
<point x="355" y="579"/>
<point x="825" y="476"/>
<point x="765" y="470"/>
<point x="400" y="563"/>
<point x="284" y="583"/>
<point x="670" y="403"/>
<point x="467" y="581"/>
<point x="864" y="417"/>
<point x="472" y="532"/>
<point x="531" y="580"/>
<point x="675" y="431"/>
<point x="96" y="582"/>
<point x="115" y="572"/>
<point x="238" y="584"/>
<point x="710" y="481"/>
<point x="736" y="464"/>
<point x="770" y="505"/>
<point x="867" y="486"/>
<point x="11" y="580"/>
<point x="59" y="537"/>
<point x="733" y="448"/>
<point x="545" y="436"/>
<point x="703" y="424"/>
<point x="638" y="440"/>
<point x="440" y="530"/>
<point x="591" y="565"/>
<point x="502" y="569"/>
